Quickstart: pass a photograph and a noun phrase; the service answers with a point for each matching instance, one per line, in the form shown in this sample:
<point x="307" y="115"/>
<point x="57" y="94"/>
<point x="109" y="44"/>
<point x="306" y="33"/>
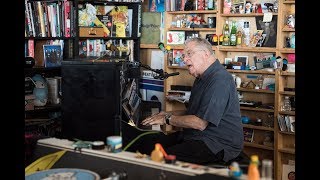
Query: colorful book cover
<point x="156" y="5"/>
<point x="175" y="37"/>
<point x="120" y="21"/>
<point x="52" y="55"/>
<point x="177" y="57"/>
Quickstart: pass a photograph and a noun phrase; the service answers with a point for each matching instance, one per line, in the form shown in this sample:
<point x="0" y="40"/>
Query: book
<point x="150" y="28"/>
<point x="120" y="21"/>
<point x="175" y="37"/>
<point x="52" y="55"/>
<point x="177" y="57"/>
<point x="156" y="5"/>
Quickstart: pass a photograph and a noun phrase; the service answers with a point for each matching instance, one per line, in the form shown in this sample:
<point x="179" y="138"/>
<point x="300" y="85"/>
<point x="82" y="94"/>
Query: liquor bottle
<point x="239" y="38"/>
<point x="233" y="34"/>
<point x="286" y="104"/>
<point x="226" y="34"/>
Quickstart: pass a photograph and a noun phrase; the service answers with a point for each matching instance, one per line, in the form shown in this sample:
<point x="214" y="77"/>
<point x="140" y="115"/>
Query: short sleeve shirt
<point x="214" y="98"/>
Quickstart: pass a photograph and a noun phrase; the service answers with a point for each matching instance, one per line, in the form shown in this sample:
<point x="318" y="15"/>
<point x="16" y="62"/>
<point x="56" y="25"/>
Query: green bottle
<point x="226" y="34"/>
<point x="233" y="34"/>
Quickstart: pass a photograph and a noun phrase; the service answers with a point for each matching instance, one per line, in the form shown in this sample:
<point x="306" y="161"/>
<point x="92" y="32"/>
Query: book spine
<point x="42" y="26"/>
<point x="67" y="30"/>
<point x="31" y="48"/>
<point x="28" y="20"/>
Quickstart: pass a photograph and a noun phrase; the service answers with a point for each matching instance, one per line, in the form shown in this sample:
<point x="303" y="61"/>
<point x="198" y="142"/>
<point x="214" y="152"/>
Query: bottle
<point x="286" y="104"/>
<point x="233" y="34"/>
<point x="266" y="170"/>
<point x="210" y="4"/>
<point x="253" y="170"/>
<point x="239" y="38"/>
<point x="226" y="34"/>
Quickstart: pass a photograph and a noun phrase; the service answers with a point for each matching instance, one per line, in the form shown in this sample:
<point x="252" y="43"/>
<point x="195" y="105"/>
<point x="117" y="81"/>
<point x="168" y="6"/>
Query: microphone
<point x="166" y="75"/>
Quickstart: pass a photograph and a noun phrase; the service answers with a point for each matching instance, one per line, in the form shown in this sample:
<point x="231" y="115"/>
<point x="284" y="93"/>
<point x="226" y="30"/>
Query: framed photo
<point x="227" y="60"/>
<point x="243" y="59"/>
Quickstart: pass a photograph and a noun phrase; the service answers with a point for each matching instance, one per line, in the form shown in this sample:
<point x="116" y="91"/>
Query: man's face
<point x="194" y="59"/>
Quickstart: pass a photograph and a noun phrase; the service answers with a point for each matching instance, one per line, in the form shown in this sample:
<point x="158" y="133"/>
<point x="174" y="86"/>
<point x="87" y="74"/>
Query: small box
<point x="28" y="104"/>
<point x="91" y="32"/>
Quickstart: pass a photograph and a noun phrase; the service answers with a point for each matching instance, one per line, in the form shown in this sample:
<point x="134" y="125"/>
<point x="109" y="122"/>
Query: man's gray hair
<point x="201" y="43"/>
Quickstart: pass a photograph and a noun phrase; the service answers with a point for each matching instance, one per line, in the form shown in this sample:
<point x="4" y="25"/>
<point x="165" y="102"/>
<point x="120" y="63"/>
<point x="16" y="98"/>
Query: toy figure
<point x="40" y="90"/>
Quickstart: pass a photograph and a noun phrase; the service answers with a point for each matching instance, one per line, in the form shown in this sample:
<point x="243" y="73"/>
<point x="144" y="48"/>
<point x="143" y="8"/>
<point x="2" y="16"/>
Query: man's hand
<point x="155" y="119"/>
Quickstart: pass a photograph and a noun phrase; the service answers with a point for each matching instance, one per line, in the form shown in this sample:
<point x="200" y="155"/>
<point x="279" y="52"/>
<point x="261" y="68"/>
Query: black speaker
<point x="90" y="100"/>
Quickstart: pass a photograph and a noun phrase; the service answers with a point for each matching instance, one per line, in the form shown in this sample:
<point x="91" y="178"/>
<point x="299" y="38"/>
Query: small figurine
<point x="234" y="170"/>
<point x="40" y="90"/>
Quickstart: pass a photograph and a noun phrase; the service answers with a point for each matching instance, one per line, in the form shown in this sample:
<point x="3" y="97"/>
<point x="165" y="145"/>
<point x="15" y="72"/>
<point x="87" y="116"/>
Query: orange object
<point x="253" y="171"/>
<point x="158" y="154"/>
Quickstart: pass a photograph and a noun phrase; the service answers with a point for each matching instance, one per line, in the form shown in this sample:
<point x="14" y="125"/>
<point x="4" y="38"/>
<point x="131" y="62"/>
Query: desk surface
<point x="104" y="162"/>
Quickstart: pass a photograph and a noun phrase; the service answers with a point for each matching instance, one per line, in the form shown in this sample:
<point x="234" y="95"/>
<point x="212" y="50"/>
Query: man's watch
<point x="167" y="117"/>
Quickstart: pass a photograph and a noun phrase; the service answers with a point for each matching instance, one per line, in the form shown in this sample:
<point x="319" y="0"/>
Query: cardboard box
<point x="91" y="32"/>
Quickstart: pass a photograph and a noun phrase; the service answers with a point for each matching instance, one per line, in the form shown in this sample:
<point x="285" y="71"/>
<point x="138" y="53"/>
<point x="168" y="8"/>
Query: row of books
<point x="286" y="123"/>
<point x="49" y="19"/>
<point x="117" y="48"/>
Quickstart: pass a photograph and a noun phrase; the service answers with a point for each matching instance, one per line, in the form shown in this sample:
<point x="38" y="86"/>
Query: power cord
<point x="135" y="139"/>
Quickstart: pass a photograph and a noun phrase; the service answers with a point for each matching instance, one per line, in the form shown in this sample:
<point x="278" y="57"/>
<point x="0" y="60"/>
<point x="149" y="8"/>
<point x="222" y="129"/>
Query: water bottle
<point x="286" y="104"/>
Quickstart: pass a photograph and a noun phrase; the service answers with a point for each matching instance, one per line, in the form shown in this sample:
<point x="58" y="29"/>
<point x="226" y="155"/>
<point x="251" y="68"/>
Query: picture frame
<point x="243" y="59"/>
<point x="227" y="60"/>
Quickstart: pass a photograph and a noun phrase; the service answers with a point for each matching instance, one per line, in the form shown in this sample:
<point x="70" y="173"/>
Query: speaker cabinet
<point x="91" y="94"/>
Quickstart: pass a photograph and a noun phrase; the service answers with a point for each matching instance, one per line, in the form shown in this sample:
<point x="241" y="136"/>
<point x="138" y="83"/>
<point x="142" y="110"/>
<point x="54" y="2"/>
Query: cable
<point x="135" y="139"/>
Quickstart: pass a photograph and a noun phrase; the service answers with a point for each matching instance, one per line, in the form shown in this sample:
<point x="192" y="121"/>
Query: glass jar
<point x="286" y="106"/>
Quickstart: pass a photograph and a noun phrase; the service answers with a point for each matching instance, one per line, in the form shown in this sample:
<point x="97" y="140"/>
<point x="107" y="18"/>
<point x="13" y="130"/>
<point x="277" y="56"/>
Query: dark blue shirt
<point x="214" y="99"/>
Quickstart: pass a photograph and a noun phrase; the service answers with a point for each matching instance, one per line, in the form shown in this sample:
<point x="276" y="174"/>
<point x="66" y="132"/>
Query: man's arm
<point x="178" y="119"/>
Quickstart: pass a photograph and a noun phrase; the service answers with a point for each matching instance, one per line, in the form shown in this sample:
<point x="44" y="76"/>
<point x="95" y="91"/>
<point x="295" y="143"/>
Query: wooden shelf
<point x="256" y="109"/>
<point x="45" y="108"/>
<point x="251" y="72"/>
<point x="191" y="29"/>
<point x="256" y="90"/>
<point x="290" y="93"/>
<point x="287" y="133"/>
<point x="289" y="2"/>
<point x="287" y="29"/>
<point x="249" y="144"/>
<point x="193" y="12"/>
<point x="287" y="150"/>
<point x="288" y="50"/>
<point x="285" y="73"/>
<point x="246" y="49"/>
<point x="291" y="113"/>
<point x="246" y="15"/>
<point x="149" y="46"/>
<point x="258" y="127"/>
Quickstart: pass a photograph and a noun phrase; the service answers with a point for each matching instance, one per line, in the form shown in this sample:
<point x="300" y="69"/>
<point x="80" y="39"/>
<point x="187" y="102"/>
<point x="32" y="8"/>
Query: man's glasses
<point x="189" y="54"/>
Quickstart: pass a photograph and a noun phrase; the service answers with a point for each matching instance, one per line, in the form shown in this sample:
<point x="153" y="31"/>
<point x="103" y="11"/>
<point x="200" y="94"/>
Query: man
<point x="212" y="128"/>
